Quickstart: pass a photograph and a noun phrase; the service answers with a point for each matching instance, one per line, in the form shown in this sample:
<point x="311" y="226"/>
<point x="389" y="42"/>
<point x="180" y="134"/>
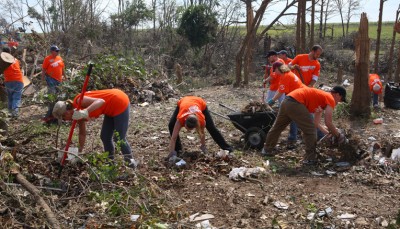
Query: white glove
<point x="342" y="139"/>
<point x="203" y="149"/>
<point x="80" y="114"/>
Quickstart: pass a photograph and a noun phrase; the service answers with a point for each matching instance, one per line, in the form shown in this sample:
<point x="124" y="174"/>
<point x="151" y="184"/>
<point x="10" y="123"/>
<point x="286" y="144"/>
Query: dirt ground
<point x="366" y="192"/>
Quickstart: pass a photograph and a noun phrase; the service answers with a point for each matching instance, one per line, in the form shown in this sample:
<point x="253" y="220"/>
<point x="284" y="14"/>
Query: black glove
<point x="341" y="139"/>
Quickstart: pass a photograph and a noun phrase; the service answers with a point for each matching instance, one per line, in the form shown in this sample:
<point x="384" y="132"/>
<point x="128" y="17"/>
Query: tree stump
<point x="178" y="73"/>
<point x="361" y="99"/>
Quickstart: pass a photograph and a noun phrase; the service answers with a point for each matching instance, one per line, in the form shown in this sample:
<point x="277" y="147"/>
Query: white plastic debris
<point x="346" y="83"/>
<point x="346" y="216"/>
<point x="372" y="139"/>
<point x="180" y="163"/>
<point x="205" y="225"/>
<point x="395" y="155"/>
<point x="197" y="217"/>
<point x="134" y="218"/>
<point x="72" y="151"/>
<point x="243" y="172"/>
<point x="281" y="205"/>
<point x="190" y="138"/>
<point x="145" y="104"/>
<point x="316" y="174"/>
<point x="330" y="172"/>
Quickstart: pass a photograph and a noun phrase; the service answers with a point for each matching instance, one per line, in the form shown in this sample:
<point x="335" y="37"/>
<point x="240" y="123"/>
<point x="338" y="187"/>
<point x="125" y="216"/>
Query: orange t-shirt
<point x="191" y="105"/>
<point x="375" y="79"/>
<point x="313" y="98"/>
<point x="116" y="102"/>
<point x="274" y="82"/>
<point x="53" y="67"/>
<point x="13" y="72"/>
<point x="289" y="82"/>
<point x="288" y="60"/>
<point x="308" y="68"/>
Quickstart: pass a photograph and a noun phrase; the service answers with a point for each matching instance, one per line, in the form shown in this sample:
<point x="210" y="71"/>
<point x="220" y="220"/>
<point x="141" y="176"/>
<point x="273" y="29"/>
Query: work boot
<point x="268" y="153"/>
<point x="291" y="144"/>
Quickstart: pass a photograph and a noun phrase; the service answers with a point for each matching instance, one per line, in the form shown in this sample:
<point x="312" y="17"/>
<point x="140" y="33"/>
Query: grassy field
<point x="387" y="30"/>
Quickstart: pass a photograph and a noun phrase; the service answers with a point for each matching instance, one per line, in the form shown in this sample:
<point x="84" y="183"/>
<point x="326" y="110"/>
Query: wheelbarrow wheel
<point x="255" y="137"/>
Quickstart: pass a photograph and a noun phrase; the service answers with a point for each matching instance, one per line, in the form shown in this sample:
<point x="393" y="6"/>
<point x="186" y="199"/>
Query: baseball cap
<point x="341" y="91"/>
<point x="376" y="88"/>
<point x="283" y="52"/>
<point x="271" y="53"/>
<point x="54" y="48"/>
<point x="59" y="109"/>
<point x="276" y="65"/>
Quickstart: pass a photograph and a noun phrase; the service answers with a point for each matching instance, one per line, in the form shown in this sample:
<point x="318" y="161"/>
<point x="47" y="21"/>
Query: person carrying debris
<point x="53" y="72"/>
<point x="375" y="86"/>
<point x="271" y="77"/>
<point x="14" y="85"/>
<point x="307" y="66"/>
<point x="283" y="55"/>
<point x="114" y="104"/>
<point x="192" y="113"/>
<point x="297" y="107"/>
<point x="288" y="82"/>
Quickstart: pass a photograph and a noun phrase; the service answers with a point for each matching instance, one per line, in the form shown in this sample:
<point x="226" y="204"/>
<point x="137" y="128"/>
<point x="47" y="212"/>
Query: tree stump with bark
<point x="361" y="99"/>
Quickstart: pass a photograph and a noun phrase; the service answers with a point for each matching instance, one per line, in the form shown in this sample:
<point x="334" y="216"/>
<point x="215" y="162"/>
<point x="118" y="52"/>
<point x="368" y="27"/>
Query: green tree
<point x="199" y="25"/>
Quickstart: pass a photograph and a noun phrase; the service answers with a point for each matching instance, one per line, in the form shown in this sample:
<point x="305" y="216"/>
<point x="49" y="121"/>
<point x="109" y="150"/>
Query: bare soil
<point x="368" y="190"/>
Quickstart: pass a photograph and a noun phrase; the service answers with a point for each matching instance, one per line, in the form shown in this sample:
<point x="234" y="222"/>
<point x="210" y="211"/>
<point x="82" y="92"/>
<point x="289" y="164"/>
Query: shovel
<point x="71" y="131"/>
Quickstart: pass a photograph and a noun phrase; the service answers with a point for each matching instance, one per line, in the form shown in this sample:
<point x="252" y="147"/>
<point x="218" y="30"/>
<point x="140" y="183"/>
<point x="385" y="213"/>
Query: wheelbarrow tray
<point x="246" y="121"/>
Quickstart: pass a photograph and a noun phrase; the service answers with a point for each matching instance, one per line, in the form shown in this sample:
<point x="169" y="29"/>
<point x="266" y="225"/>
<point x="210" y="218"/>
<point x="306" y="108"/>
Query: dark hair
<point x="316" y="47"/>
<point x="6" y="49"/>
<point x="191" y="121"/>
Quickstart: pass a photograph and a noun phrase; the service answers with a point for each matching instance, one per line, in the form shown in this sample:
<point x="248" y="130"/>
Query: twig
<point x="41" y="187"/>
<point x="36" y="193"/>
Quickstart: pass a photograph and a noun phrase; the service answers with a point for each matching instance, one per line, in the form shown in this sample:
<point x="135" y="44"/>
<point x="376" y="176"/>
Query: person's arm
<point x="91" y="104"/>
<point x="328" y="121"/>
<point x="317" y="122"/>
<point x="312" y="83"/>
<point x="277" y="96"/>
<point x="82" y="134"/>
<point x="174" y="136"/>
<point x="202" y="137"/>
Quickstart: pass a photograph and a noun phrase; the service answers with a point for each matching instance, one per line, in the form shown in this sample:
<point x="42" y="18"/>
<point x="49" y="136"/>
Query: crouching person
<point x="375" y="86"/>
<point x="114" y="104"/>
<point x="297" y="107"/>
<point x="192" y="113"/>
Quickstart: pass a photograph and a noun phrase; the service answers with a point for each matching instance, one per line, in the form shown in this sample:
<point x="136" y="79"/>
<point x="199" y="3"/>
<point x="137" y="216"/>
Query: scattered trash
<point x="316" y="173"/>
<point x="395" y="155"/>
<point x="197" y="217"/>
<point x="205" y="225"/>
<point x="176" y="161"/>
<point x="372" y="139"/>
<point x="250" y="195"/>
<point x="378" y="121"/>
<point x="281" y="205"/>
<point x="134" y="218"/>
<point x="145" y="104"/>
<point x="346" y="83"/>
<point x="397" y="135"/>
<point x="190" y="138"/>
<point x="71" y="155"/>
<point x="223" y="154"/>
<point x="330" y="172"/>
<point x="325" y="212"/>
<point x="346" y="216"/>
<point x="180" y="163"/>
<point x="243" y="172"/>
<point x="342" y="164"/>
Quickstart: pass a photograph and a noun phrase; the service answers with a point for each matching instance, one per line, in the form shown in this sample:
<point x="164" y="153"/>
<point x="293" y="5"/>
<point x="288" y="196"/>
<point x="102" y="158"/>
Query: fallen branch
<point x="36" y="193"/>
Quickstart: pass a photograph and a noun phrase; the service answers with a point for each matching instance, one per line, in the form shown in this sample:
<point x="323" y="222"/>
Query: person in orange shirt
<point x="297" y="107"/>
<point x="53" y="72"/>
<point x="14" y="85"/>
<point x="271" y="77"/>
<point x="288" y="82"/>
<point x="375" y="86"/>
<point x="283" y="55"/>
<point x="114" y="104"/>
<point x="192" y="113"/>
<point x="308" y="65"/>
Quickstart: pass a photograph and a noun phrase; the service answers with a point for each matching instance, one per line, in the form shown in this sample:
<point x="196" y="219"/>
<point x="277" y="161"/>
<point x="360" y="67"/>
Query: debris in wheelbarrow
<point x="255" y="126"/>
<point x="253" y="107"/>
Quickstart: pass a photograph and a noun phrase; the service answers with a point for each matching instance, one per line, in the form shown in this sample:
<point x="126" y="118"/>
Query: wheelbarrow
<point x="255" y="126"/>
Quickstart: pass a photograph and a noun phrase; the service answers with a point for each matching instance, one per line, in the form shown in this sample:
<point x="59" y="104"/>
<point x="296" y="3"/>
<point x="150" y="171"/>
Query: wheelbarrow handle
<point x="224" y="106"/>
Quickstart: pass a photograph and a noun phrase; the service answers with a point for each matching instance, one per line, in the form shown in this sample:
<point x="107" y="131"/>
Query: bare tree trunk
<point x="248" y="60"/>
<point x="378" y="38"/>
<point x="397" y="73"/>
<point x="391" y="51"/>
<point x="267" y="43"/>
<point x="339" y="77"/>
<point x="303" y="26"/>
<point x="254" y="26"/>
<point x="311" y="43"/>
<point x="298" y="26"/>
<point x="361" y="99"/>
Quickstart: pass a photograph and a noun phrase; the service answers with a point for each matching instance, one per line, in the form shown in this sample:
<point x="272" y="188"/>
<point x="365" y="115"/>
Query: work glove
<point x="341" y="139"/>
<point x="271" y="102"/>
<point x="80" y="114"/>
<point x="203" y="149"/>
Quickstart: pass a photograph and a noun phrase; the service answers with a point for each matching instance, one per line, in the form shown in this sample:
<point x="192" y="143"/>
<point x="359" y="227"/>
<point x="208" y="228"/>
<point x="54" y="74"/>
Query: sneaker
<point x="271" y="153"/>
<point x="291" y="145"/>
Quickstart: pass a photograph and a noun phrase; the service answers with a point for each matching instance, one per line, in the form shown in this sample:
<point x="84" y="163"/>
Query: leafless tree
<point x="391" y="52"/>
<point x="378" y="38"/>
<point x="352" y="9"/>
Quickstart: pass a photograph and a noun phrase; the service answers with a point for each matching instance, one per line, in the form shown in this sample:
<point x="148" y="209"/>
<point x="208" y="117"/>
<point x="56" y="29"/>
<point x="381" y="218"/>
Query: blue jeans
<point x="14" y="94"/>
<point x="116" y="125"/>
<point x="53" y="90"/>
<point x="375" y="98"/>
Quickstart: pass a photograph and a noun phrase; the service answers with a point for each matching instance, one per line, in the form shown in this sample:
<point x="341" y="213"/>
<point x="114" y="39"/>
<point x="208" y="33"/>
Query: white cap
<point x="376" y="87"/>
